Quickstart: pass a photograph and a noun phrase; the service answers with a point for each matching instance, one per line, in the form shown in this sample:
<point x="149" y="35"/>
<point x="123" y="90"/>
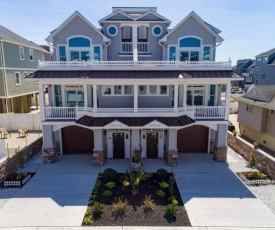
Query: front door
<point x="118" y="145"/>
<point x="152" y="145"/>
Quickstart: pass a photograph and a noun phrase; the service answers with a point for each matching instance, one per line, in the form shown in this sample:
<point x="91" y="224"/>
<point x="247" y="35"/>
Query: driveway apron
<point x="214" y="195"/>
<point x="56" y="196"/>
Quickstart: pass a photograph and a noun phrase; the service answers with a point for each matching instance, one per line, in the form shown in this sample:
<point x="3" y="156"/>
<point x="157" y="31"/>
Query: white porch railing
<point x="133" y="63"/>
<point x="60" y="112"/>
<point x="127" y="47"/>
<point x="212" y="112"/>
<point x="200" y="112"/>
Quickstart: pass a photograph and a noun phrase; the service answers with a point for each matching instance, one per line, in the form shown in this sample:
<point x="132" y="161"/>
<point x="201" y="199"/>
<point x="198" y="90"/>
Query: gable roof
<point x="9" y="36"/>
<point x="139" y="18"/>
<point x="267" y="53"/>
<point x="70" y="19"/>
<point x="267" y="93"/>
<point x="200" y="21"/>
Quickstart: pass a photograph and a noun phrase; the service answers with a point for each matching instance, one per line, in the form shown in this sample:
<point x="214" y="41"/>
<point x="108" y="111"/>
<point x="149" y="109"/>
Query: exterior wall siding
<point x="115" y="48"/>
<point x="25" y="87"/>
<point x="252" y="120"/>
<point x="264" y="138"/>
<point x="154" y="48"/>
<point x="270" y="124"/>
<point x="268" y="70"/>
<point x="77" y="27"/>
<point x="2" y="82"/>
<point x="190" y="28"/>
<point x="12" y="58"/>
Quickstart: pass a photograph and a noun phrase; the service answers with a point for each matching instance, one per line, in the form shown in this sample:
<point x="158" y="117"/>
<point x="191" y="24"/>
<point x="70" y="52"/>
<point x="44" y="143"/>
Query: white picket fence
<point x="13" y="122"/>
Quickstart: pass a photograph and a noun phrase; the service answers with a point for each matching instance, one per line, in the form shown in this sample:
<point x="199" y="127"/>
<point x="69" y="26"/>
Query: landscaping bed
<point x="17" y="180"/>
<point x="255" y="178"/>
<point x="157" y="203"/>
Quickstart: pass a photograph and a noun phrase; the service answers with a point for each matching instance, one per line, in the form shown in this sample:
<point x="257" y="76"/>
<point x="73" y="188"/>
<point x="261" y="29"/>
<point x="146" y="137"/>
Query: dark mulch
<point x="135" y="214"/>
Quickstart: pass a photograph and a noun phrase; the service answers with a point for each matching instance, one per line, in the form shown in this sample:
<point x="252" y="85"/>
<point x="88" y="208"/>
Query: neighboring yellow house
<point x="256" y="114"/>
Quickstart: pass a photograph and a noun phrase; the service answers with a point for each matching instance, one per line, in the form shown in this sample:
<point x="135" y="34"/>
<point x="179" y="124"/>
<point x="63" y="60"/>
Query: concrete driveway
<point x="56" y="196"/>
<point x="214" y="196"/>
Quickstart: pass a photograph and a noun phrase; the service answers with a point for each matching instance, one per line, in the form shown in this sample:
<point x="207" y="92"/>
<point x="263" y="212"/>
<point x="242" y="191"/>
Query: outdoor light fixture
<point x="165" y="132"/>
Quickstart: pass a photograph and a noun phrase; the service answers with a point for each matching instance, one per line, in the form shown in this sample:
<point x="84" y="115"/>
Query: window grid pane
<point x="153" y="89"/>
<point x="107" y="90"/>
<point x="190" y="42"/>
<point x="79" y="42"/>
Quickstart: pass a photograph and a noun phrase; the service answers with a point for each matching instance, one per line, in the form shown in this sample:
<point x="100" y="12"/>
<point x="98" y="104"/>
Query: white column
<point x="135" y="41"/>
<point x="227" y="101"/>
<point x="184" y="95"/>
<point x="176" y="98"/>
<point x="85" y="95"/>
<point x="172" y="139"/>
<point x="206" y="95"/>
<point x="135" y="98"/>
<point x="41" y="101"/>
<point x="95" y="98"/>
<point x="98" y="140"/>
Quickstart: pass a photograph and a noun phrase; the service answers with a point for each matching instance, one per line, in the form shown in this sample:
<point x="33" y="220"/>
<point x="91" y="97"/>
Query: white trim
<point x="18" y="95"/>
<point x="27" y="46"/>
<point x="21" y="58"/>
<point x="168" y="52"/>
<point x="155" y="14"/>
<point x="211" y="53"/>
<point x="71" y="18"/>
<point x="112" y="35"/>
<point x="113" y="14"/>
<point x="199" y="20"/>
<point x="79" y="49"/>
<point x="17" y="68"/>
<point x="100" y="47"/>
<point x="153" y="32"/>
<point x="19" y="78"/>
<point x="66" y="51"/>
<point x="31" y="54"/>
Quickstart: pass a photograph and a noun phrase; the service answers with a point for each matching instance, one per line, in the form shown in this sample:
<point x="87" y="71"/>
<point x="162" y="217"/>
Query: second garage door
<point x="76" y="139"/>
<point x="193" y="139"/>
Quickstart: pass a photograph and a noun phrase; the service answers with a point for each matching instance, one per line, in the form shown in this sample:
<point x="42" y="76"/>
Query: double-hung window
<point x="21" y="53"/>
<point x="17" y="78"/>
<point x="31" y="54"/>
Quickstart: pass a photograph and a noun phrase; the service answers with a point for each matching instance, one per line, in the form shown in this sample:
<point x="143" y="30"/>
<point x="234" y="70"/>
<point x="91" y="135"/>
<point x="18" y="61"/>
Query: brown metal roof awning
<point x="135" y="121"/>
<point x="118" y="74"/>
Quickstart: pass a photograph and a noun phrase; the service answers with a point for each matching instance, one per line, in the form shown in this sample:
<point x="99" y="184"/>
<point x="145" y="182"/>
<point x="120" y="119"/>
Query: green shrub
<point x="145" y="176"/>
<point x="88" y="212"/>
<point x="110" y="185"/>
<point x="162" y="174"/>
<point x="163" y="185"/>
<point x="107" y="193"/>
<point x="87" y="221"/>
<point x="109" y="174"/>
<point x="171" y="210"/>
<point x="98" y="208"/>
<point x="21" y="176"/>
<point x="160" y="193"/>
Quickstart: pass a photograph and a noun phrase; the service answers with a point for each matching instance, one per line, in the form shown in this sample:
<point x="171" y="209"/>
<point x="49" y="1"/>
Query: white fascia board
<point x="68" y="20"/>
<point x="113" y="14"/>
<point x="199" y="20"/>
<point x="154" y="13"/>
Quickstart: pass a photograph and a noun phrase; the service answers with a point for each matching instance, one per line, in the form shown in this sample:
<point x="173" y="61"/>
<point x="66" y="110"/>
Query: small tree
<point x="134" y="180"/>
<point x="252" y="160"/>
<point x="20" y="159"/>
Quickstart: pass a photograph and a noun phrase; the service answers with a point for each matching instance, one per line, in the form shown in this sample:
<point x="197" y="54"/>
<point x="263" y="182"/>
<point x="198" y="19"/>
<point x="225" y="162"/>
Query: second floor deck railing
<point x="127" y="47"/>
<point x="133" y="63"/>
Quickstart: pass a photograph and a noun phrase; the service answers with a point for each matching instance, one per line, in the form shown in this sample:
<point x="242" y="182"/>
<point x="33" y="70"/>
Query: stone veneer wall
<point x="10" y="164"/>
<point x="265" y="163"/>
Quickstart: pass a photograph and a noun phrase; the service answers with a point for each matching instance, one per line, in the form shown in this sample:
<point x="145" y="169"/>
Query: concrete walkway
<point x="214" y="195"/>
<point x="56" y="196"/>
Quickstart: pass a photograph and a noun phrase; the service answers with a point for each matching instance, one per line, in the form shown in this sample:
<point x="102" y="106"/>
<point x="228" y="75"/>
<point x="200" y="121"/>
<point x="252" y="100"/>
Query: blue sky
<point x="247" y="25"/>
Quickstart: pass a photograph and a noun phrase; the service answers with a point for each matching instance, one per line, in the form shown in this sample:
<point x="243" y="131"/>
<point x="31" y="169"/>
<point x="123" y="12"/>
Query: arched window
<point x="190" y="42"/>
<point x="79" y="42"/>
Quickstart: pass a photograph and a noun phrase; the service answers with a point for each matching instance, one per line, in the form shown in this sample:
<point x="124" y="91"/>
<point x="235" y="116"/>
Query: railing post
<point x="41" y="101"/>
<point x="227" y="101"/>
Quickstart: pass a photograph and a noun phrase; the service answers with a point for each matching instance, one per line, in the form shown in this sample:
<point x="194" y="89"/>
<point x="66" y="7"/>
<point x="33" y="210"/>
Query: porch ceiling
<point x="135" y="121"/>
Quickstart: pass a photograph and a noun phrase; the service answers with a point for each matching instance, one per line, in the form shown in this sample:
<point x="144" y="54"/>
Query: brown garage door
<point x="193" y="139"/>
<point x="76" y="139"/>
